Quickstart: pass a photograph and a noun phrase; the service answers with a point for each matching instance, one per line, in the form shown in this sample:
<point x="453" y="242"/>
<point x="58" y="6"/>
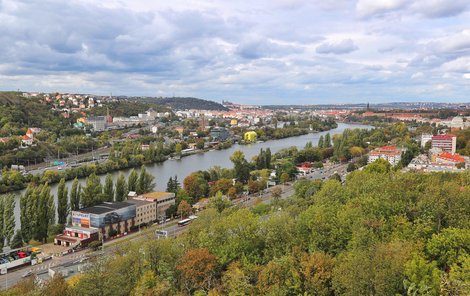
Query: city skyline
<point x="265" y="52"/>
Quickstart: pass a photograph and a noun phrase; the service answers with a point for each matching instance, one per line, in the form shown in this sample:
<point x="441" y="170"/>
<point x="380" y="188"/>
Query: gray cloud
<point x="285" y="50"/>
<point x="341" y="47"/>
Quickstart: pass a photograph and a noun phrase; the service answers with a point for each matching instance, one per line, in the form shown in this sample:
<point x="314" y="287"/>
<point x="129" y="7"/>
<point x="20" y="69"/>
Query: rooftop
<point x="452" y="157"/>
<point x="139" y="202"/>
<point x="158" y="195"/>
<point x="105" y="207"/>
<point x="443" y="137"/>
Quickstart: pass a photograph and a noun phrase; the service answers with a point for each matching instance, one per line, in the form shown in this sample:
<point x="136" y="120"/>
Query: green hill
<point x="180" y="103"/>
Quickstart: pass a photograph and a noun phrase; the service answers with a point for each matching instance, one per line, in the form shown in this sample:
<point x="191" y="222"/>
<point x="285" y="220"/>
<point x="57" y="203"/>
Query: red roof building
<point x="447" y="142"/>
<point x="447" y="157"/>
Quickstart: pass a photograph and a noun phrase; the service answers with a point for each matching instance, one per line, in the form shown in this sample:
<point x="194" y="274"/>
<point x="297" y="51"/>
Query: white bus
<point x="184" y="222"/>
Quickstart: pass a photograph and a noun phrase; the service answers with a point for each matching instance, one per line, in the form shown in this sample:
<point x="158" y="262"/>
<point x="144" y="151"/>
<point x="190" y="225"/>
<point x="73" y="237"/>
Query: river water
<point x="203" y="161"/>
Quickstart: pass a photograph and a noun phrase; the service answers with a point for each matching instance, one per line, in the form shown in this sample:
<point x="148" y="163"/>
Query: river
<point x="203" y="161"/>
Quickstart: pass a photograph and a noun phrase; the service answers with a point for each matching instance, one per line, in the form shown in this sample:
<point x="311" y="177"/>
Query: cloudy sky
<point x="260" y="52"/>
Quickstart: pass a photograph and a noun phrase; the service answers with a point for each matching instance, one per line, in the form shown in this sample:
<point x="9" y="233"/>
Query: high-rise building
<point x="445" y="142"/>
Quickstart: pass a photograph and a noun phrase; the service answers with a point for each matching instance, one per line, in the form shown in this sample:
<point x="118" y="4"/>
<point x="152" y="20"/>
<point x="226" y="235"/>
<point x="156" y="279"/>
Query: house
<point x="27" y="140"/>
<point x="32" y="131"/>
<point x="390" y="153"/>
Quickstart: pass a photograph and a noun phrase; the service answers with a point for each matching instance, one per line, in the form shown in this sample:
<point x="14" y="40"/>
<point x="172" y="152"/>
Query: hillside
<point x="178" y="103"/>
<point x="17" y="113"/>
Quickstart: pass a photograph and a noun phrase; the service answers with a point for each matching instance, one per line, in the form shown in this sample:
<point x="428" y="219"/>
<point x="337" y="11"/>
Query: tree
<point x="327" y="141"/>
<point x="351" y="167"/>
<point x="219" y="203"/>
<point x="178" y="149"/>
<point x="184" y="209"/>
<point x="2" y="225"/>
<point x="75" y="196"/>
<point x="145" y="181"/>
<point x="236" y="281"/>
<point x="284" y="178"/>
<point x="121" y="190"/>
<point x="8" y="217"/>
<point x="132" y="181"/>
<point x="92" y="194"/>
<point x="108" y="190"/>
<point x="195" y="185"/>
<point x="173" y="185"/>
<point x="379" y="166"/>
<point x="17" y="241"/>
<point x="268" y="158"/>
<point x="276" y="192"/>
<point x="197" y="268"/>
<point x="45" y="213"/>
<point x="241" y="166"/>
<point x="321" y="142"/>
<point x="62" y="202"/>
<point x="27" y="217"/>
<point x="200" y="144"/>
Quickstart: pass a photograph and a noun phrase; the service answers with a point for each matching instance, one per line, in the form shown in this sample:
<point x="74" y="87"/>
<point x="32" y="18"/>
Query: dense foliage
<point x="382" y="233"/>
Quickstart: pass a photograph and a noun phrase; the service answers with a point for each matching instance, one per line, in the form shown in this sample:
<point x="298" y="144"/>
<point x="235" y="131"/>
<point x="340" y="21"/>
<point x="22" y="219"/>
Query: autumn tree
<point x="198" y="270"/>
<point x="184" y="209"/>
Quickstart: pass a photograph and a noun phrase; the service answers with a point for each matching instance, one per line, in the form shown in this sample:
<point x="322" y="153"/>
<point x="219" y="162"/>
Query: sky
<point x="252" y="52"/>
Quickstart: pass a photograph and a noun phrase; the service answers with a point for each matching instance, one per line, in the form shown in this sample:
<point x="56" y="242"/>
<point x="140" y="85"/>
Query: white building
<point x="425" y="138"/>
<point x="390" y="153"/>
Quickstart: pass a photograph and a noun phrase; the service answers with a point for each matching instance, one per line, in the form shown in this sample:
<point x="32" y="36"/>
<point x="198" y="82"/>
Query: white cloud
<point x="367" y="8"/>
<point x="417" y="75"/>
<point x="341" y="47"/>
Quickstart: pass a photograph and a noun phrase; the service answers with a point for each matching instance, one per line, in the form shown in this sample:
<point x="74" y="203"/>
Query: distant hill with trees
<point x="184" y="103"/>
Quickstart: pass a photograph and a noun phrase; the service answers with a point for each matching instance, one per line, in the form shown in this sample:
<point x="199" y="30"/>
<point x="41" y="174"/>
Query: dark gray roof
<point x="106" y="207"/>
<point x="138" y="202"/>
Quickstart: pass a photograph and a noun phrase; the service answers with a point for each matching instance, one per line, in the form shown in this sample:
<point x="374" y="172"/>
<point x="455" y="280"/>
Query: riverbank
<point x="102" y="166"/>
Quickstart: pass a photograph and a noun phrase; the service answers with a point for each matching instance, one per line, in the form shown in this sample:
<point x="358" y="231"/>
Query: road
<point x="73" y="261"/>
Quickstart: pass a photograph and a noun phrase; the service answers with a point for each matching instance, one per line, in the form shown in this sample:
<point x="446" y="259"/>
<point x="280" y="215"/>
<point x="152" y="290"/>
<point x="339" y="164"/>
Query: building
<point x="163" y="201"/>
<point x="446" y="142"/>
<point x="109" y="218"/>
<point x="220" y="134"/>
<point x="76" y="236"/>
<point x="448" y="158"/>
<point x="250" y="136"/>
<point x="425" y="138"/>
<point x="146" y="211"/>
<point x="27" y="141"/>
<point x="390" y="153"/>
<point x="98" y="123"/>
